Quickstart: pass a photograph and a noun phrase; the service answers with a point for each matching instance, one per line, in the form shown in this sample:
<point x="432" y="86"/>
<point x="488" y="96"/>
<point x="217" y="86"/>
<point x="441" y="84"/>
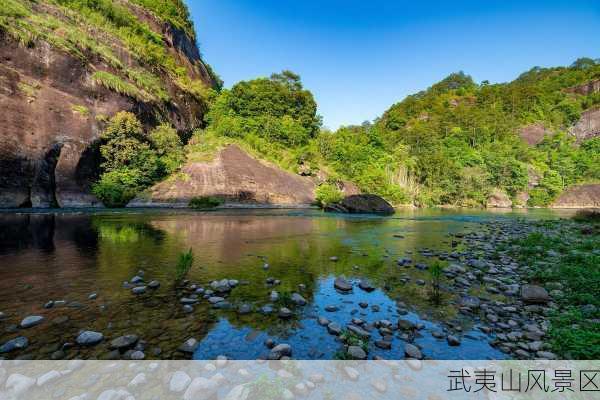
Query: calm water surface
<point x="69" y="255"/>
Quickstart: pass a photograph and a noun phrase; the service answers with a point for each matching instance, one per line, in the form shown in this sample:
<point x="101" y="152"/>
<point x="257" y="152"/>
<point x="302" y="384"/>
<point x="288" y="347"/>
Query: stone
<point x="412" y="351"/>
<point x="137" y="355"/>
<point x="31" y="320"/>
<point x="342" y="284"/>
<point x="124" y="342"/>
<point x="363" y="204"/>
<point x="406" y="325"/>
<point x="18" y="343"/>
<point x="244" y="309"/>
<point x="453" y="340"/>
<point x="470" y="301"/>
<point x="334" y="328"/>
<point x="139" y="290"/>
<point x="351" y="373"/>
<point x="331" y="308"/>
<point x="189" y="346"/>
<point x="334" y="258"/>
<point x="383" y="344"/>
<point x="48" y="377"/>
<point x="360" y="332"/>
<point x="279" y="351"/>
<point x="215" y="299"/>
<point x="16" y="385"/>
<point x="284" y="313"/>
<point x="266" y="309"/>
<point x="323" y="321"/>
<point x="366" y="285"/>
<point x="201" y="389"/>
<point x="532" y="294"/>
<point x="179" y="382"/>
<point x="274" y="296"/>
<point x="154" y="284"/>
<point x="546" y="355"/>
<point x="138" y="380"/>
<point x="188" y="300"/>
<point x="188" y="309"/>
<point x="298" y="299"/>
<point x="89" y="338"/>
<point x="356" y="353"/>
<point x="93" y="296"/>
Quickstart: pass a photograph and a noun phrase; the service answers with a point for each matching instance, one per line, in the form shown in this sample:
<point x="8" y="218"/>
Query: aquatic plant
<point x="184" y="264"/>
<point x="435" y="273"/>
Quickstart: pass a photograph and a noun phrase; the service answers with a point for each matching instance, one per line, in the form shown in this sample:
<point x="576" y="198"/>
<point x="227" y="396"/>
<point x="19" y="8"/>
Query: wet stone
<point x="342" y="284"/>
<point x="284" y="313"/>
<point x="244" y="309"/>
<point x="189" y="346"/>
<point x="356" y="353"/>
<point x="18" y="343"/>
<point x="412" y="351"/>
<point x="89" y="338"/>
<point x="331" y="308"/>
<point x="366" y="286"/>
<point x="124" y="342"/>
<point x="31" y="320"/>
<point x="139" y="290"/>
<point x="334" y="328"/>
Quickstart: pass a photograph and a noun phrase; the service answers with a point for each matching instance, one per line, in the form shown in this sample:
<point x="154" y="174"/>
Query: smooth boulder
<point x="362" y="204"/>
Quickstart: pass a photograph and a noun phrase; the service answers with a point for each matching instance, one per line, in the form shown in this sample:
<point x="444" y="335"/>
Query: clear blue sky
<point x="360" y="57"/>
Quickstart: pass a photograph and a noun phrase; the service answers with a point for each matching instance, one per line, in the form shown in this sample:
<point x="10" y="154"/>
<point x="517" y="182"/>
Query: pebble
<point x="89" y="338"/>
<point x="154" y="284"/>
<point x="357" y="353"/>
<point x="453" y="340"/>
<point x="139" y="290"/>
<point x="334" y="328"/>
<point x="124" y="342"/>
<point x="342" y="284"/>
<point x="93" y="296"/>
<point x="189" y="346"/>
<point x="331" y="308"/>
<point x="298" y="299"/>
<point x="17" y="343"/>
<point x="179" y="382"/>
<point x="284" y="313"/>
<point x="215" y="299"/>
<point x="188" y="309"/>
<point x="366" y="286"/>
<point x="244" y="309"/>
<point x="279" y="351"/>
<point x="412" y="351"/>
<point x="31" y="320"/>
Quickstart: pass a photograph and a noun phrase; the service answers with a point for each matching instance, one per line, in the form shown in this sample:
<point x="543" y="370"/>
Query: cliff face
<point x="233" y="176"/>
<point x="582" y="196"/>
<point x="62" y="76"/>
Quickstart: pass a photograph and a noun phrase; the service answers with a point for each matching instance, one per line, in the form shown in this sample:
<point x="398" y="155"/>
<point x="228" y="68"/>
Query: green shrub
<point x="204" y="202"/>
<point x="116" y="188"/>
<point x="169" y="149"/>
<point x="327" y="194"/>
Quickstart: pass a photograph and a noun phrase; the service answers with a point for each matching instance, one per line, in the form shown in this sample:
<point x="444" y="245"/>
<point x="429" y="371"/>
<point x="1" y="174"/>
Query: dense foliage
<point x="134" y="159"/>
<point x="454" y="143"/>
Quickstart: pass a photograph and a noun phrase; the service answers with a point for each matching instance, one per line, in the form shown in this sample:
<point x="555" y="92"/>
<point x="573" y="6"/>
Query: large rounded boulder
<point x="362" y="204"/>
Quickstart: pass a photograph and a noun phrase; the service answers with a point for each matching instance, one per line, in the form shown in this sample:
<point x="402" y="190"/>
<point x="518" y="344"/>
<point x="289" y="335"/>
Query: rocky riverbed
<point x="280" y="286"/>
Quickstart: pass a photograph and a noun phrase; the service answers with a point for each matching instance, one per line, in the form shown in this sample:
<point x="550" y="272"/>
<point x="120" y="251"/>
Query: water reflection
<point x="68" y="256"/>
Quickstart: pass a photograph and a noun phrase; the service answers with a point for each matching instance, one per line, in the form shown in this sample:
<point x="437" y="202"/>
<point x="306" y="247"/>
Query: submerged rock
<point x="89" y="338"/>
<point x="342" y="284"/>
<point x="356" y="353"/>
<point x="17" y="343"/>
<point x="366" y="286"/>
<point x="413" y="351"/>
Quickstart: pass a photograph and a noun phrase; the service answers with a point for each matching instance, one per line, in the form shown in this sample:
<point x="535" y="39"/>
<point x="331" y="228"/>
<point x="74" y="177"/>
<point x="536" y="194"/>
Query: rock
<point x="274" y="296"/>
<point x="360" y="332"/>
<point x="136" y="279"/>
<point x="201" y="389"/>
<point x="49" y="304"/>
<point x="281" y="350"/>
<point x="179" y="382"/>
<point x="498" y="199"/>
<point x="154" y="284"/>
<point x="244" y="309"/>
<point x="379" y="385"/>
<point x="342" y="284"/>
<point x="189" y="346"/>
<point x="383" y="344"/>
<point x="470" y="301"/>
<point x="334" y="328"/>
<point x="138" y="380"/>
<point x="124" y="342"/>
<point x="351" y="373"/>
<point x="270" y="343"/>
<point x="16" y="385"/>
<point x="139" y="290"/>
<point x="48" y="377"/>
<point x="331" y="308"/>
<point x="266" y="309"/>
<point x="239" y="392"/>
<point x="366" y="285"/>
<point x="298" y="299"/>
<point x="406" y="325"/>
<point x="532" y="294"/>
<point x="31" y="320"/>
<point x="412" y="351"/>
<point x="188" y="309"/>
<point x="137" y="355"/>
<point x="284" y="313"/>
<point x="93" y="296"/>
<point x="334" y="258"/>
<point x="187" y="300"/>
<point x="546" y="355"/>
<point x="89" y="338"/>
<point x="215" y="299"/>
<point x="363" y="204"/>
<point x="453" y="340"/>
<point x="323" y="321"/>
<point x="357" y="353"/>
<point x="17" y="343"/>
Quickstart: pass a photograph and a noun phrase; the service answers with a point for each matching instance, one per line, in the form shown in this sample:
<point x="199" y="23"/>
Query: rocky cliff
<point x="233" y="176"/>
<point x="581" y="196"/>
<point x="65" y="68"/>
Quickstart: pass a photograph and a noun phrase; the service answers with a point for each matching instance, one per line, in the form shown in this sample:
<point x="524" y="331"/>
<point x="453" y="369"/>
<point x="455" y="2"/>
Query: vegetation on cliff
<point x="454" y="143"/>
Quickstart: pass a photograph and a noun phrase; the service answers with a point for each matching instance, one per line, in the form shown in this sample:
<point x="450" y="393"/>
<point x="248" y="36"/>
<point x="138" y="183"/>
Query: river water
<point x="65" y="256"/>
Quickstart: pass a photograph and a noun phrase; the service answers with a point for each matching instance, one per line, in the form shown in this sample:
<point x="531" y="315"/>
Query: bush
<point x="169" y="149"/>
<point x="205" y="202"/>
<point x="116" y="188"/>
<point x="184" y="264"/>
<point x="327" y="194"/>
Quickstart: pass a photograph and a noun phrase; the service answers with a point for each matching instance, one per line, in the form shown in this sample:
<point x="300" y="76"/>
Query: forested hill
<point x="456" y="143"/>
